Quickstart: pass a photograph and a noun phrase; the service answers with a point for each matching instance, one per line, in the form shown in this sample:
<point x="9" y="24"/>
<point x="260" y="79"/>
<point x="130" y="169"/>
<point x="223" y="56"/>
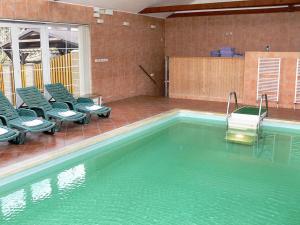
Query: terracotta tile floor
<point x="124" y="112"/>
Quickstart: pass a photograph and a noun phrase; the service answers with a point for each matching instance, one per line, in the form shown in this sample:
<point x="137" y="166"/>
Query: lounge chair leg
<point x="88" y="118"/>
<point x="107" y="115"/>
<point x="51" y="131"/>
<point x="104" y="115"/>
<point x="20" y="139"/>
<point x="58" y="125"/>
<point x="85" y="120"/>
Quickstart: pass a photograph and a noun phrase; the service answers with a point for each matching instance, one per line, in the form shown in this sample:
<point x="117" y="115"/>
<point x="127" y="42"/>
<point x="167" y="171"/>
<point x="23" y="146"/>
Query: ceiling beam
<point x="290" y="8"/>
<point x="219" y="5"/>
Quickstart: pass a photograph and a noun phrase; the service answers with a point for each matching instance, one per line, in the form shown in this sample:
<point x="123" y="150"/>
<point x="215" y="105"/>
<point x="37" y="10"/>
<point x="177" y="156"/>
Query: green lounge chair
<point x="21" y="118"/>
<point x="11" y="135"/>
<point x="60" y="94"/>
<point x="37" y="102"/>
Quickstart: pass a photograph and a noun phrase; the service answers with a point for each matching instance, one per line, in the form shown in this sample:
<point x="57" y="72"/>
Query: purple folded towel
<point x="227" y="54"/>
<point x="228" y="49"/>
<point x="215" y="53"/>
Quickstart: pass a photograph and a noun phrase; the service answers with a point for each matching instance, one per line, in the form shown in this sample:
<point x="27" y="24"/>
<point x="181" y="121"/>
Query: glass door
<point x="38" y="54"/>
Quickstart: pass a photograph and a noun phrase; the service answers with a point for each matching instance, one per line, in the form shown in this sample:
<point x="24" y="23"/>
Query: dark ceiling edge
<point x="236" y="12"/>
<point x="219" y="5"/>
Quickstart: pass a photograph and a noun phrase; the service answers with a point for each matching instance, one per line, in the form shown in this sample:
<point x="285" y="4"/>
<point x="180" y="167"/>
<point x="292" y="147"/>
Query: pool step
<point x="246" y="137"/>
<point x="242" y="128"/>
<point x="243" y="121"/>
<point x="243" y="124"/>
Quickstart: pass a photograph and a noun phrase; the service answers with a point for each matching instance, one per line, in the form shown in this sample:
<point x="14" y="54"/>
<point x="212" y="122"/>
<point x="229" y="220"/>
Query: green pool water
<point x="182" y="172"/>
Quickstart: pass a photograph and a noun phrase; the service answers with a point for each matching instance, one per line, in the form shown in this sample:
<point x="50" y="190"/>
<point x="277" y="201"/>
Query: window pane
<point x="6" y="64"/>
<point x="31" y="57"/>
<point x="63" y="42"/>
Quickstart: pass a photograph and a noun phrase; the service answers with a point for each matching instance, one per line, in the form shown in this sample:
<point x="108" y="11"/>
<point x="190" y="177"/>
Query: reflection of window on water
<point x="41" y="190"/>
<point x="13" y="203"/>
<point x="71" y="178"/>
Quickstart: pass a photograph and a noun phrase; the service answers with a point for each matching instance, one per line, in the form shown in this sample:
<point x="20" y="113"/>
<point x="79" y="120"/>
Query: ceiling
<point x="135" y="6"/>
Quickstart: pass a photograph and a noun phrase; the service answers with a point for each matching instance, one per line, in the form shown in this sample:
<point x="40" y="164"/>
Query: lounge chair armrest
<point x="27" y="112"/>
<point x="3" y="120"/>
<point x="85" y="100"/>
<point x="60" y="105"/>
<point x="39" y="111"/>
<point x="70" y="105"/>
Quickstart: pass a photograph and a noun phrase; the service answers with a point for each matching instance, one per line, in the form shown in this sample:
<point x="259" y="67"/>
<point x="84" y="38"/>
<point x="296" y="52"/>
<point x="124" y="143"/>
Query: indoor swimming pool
<point x="177" y="170"/>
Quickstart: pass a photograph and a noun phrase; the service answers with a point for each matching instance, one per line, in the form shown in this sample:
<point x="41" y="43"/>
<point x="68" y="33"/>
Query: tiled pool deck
<point x="124" y="112"/>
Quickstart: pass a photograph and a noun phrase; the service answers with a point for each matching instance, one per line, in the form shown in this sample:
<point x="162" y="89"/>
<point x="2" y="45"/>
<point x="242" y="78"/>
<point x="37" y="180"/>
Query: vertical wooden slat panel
<point x="12" y="77"/>
<point x="38" y="77"/>
<point x="66" y="65"/>
<point x="57" y="69"/>
<point x="41" y="78"/>
<point x="206" y="78"/>
<point x="23" y="76"/>
<point x="35" y="75"/>
<point x="54" y="70"/>
<point x="1" y="79"/>
<point x="63" y="65"/>
<point x="70" y="73"/>
<point x="51" y="71"/>
<point x="61" y="71"/>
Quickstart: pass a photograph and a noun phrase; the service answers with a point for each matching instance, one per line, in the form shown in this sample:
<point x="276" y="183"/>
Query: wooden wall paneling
<point x="205" y="78"/>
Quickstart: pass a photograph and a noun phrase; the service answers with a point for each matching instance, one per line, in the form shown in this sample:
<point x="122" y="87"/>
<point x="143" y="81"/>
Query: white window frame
<point x="84" y="53"/>
<point x="85" y="60"/>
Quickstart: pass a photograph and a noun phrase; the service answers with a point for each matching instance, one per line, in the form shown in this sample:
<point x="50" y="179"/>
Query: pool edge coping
<point x="46" y="157"/>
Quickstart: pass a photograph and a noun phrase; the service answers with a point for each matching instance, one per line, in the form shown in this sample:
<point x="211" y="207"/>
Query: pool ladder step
<point x="242" y="121"/>
<point x="241" y="136"/>
<point x="243" y="124"/>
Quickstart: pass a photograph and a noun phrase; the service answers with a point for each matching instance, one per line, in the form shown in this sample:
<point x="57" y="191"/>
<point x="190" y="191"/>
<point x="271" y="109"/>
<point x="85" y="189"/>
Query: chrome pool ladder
<point x="233" y="93"/>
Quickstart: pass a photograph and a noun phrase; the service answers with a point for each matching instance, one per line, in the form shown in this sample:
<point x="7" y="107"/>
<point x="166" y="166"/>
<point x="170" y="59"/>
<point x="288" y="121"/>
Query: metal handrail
<point x="229" y="101"/>
<point x="147" y="74"/>
<point x="233" y="93"/>
<point x="263" y="97"/>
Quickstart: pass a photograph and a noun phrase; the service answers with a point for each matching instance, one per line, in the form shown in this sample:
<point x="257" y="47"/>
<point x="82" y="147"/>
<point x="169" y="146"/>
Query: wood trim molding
<point x="236" y="12"/>
<point x="219" y="5"/>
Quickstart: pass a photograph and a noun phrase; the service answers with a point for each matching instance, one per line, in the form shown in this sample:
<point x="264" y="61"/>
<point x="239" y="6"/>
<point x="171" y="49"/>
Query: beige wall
<point x="125" y="47"/>
<point x="197" y="36"/>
